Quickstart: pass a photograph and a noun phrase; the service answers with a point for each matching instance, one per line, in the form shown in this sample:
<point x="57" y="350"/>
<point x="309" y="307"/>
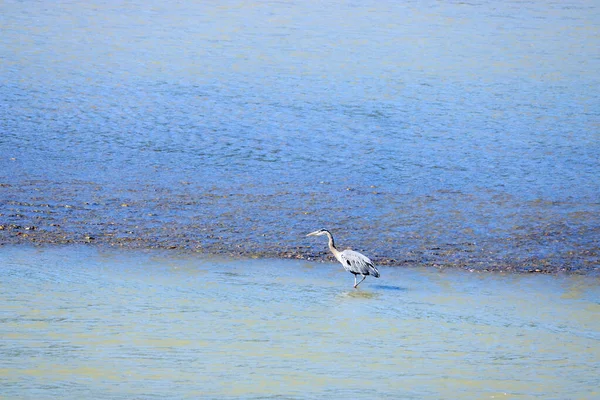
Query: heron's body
<point x="353" y="261"/>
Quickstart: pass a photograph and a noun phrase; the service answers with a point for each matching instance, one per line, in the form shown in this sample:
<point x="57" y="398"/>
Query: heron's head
<point x="319" y="232"/>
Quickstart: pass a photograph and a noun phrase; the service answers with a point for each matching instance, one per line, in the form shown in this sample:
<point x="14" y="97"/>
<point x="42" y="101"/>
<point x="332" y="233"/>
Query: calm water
<point x="78" y="323"/>
<point x="451" y="133"/>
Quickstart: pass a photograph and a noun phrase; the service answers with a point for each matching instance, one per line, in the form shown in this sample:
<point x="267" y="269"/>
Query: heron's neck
<point x="332" y="245"/>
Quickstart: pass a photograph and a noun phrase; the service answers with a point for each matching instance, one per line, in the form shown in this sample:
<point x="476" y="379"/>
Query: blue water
<point x="454" y="133"/>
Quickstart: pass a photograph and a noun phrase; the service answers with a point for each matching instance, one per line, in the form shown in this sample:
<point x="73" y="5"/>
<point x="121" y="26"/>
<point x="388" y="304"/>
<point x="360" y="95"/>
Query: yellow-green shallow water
<point x="88" y="323"/>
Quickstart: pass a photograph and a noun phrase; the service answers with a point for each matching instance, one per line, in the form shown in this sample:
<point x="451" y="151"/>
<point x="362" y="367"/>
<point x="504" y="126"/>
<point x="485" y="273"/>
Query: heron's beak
<point x="313" y="233"/>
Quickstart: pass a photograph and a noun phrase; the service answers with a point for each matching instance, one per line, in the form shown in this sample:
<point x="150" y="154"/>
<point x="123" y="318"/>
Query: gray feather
<point x="358" y="263"/>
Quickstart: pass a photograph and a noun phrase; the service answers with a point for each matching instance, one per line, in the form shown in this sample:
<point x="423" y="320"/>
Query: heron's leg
<point x="356" y="284"/>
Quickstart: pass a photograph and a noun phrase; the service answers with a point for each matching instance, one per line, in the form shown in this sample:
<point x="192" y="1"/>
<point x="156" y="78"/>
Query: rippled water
<point x="79" y="323"/>
<point x="452" y="133"/>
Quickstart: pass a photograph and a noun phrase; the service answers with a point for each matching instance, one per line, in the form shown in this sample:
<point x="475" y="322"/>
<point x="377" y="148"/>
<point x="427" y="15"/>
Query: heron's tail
<point x="373" y="271"/>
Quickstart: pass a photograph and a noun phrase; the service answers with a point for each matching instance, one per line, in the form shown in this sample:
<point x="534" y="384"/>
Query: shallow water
<point x="436" y="133"/>
<point x="78" y="322"/>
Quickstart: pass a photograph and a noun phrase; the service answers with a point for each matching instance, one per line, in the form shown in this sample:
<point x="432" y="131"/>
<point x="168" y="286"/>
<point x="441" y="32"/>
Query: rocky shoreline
<point x="240" y="222"/>
<point x="189" y="239"/>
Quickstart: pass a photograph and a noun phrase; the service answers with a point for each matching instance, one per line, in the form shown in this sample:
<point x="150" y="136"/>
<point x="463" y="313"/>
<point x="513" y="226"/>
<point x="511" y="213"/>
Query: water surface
<point x="428" y="133"/>
<point x="81" y="323"/>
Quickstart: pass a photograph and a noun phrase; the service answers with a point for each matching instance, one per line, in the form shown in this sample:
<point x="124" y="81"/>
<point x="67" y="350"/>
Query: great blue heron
<point x="353" y="261"/>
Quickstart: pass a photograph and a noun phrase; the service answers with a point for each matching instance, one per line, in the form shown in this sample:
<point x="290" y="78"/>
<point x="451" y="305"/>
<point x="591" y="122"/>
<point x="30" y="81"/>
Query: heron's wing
<point x="358" y="263"/>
